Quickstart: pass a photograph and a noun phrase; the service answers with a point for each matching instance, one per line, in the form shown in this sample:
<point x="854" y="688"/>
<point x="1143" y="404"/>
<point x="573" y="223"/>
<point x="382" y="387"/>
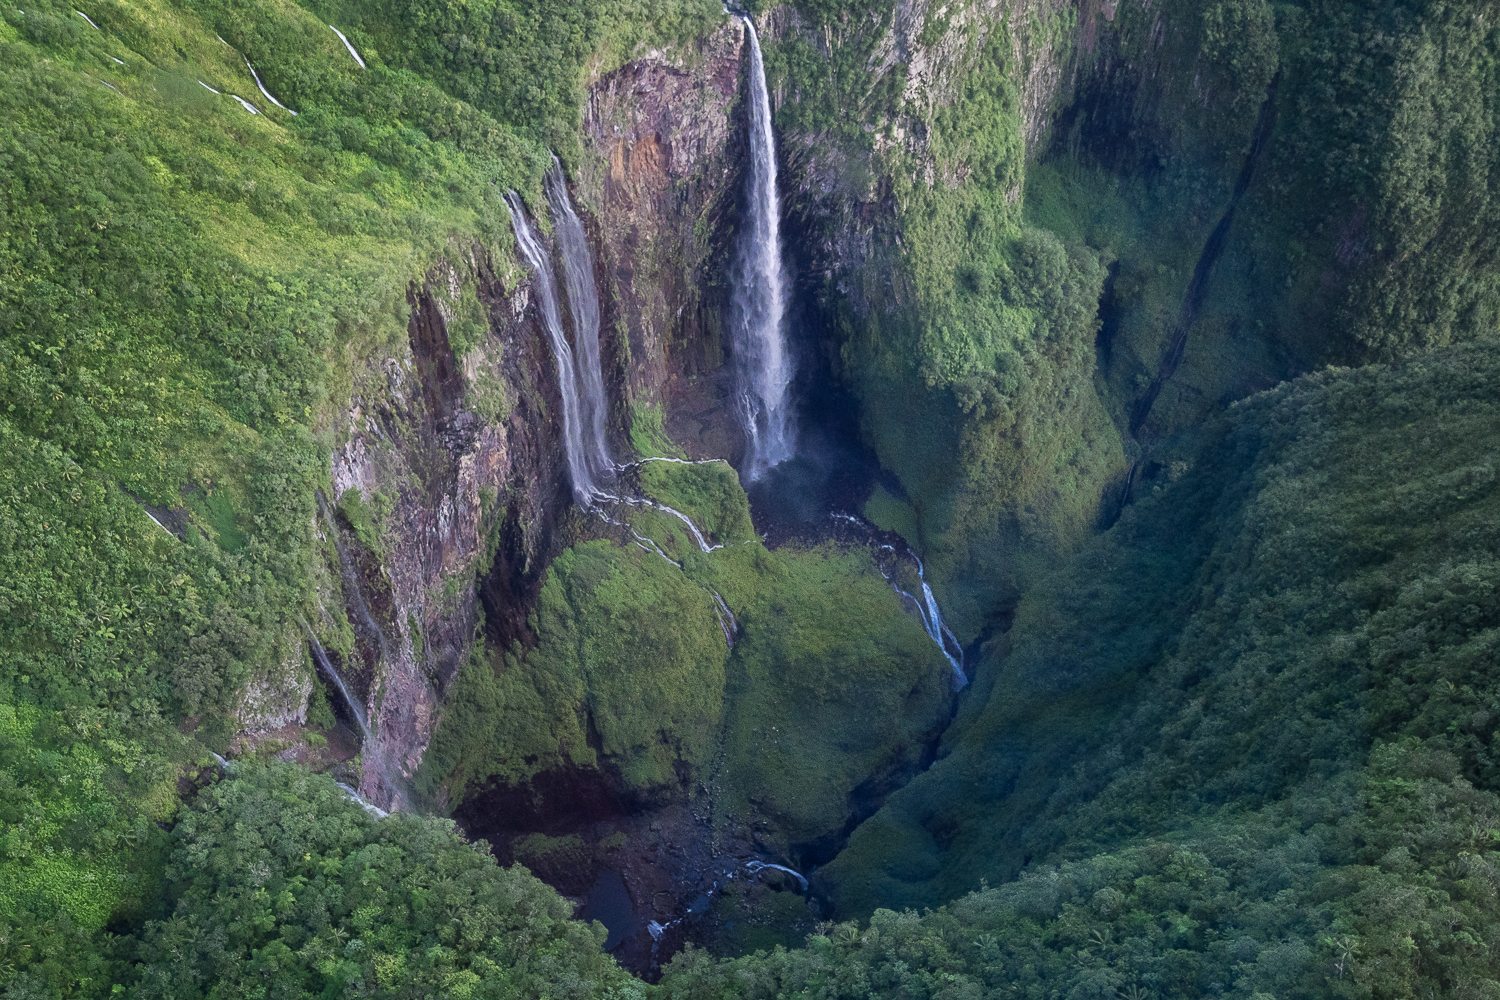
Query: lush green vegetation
<point x="1277" y="671"/>
<point x="629" y="649"/>
<point x="1367" y="231"/>
<point x="278" y="885"/>
<point x="829" y="683"/>
<point x="1242" y="744"/>
<point x="186" y="290"/>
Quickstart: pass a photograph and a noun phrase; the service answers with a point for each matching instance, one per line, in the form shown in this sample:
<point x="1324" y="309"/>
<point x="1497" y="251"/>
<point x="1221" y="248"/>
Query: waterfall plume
<point x="764" y="365"/>
<point x="580" y="383"/>
<point x="583" y="309"/>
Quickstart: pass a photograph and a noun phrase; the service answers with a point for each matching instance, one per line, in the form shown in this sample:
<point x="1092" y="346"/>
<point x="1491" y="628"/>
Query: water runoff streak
<point x="580" y="368"/>
<point x="758" y="314"/>
<point x="587" y="463"/>
<point x="926" y="606"/>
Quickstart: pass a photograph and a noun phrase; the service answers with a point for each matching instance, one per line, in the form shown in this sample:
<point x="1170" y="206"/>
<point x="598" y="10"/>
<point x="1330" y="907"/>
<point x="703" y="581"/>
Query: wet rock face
<point x="467" y="493"/>
<point x="443" y="480"/>
<point x="660" y="181"/>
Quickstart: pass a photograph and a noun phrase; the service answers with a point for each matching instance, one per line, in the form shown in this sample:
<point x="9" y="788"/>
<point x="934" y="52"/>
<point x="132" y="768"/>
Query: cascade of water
<point x="759" y="301"/>
<point x="353" y="593"/>
<point x="349" y="45"/>
<point x="699" y="538"/>
<point x="364" y="803"/>
<point x="727" y="621"/>
<point x="576" y="439"/>
<point x="356" y="709"/>
<point x="938" y="630"/>
<point x="157" y="521"/>
<point x="583" y="310"/>
<point x="266" y="93"/>
<point x="928" y="612"/>
<point x="756" y="867"/>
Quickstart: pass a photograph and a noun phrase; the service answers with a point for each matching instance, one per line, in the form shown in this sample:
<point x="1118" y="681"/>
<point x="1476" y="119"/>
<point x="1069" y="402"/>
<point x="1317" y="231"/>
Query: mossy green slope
<point x="628" y="649"/>
<point x="831" y="683"/>
<point x="1298" y="630"/>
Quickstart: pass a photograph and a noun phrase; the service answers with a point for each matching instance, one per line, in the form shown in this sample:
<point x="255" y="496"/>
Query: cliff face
<point x="660" y="178"/>
<point x="448" y="494"/>
<point x="454" y="460"/>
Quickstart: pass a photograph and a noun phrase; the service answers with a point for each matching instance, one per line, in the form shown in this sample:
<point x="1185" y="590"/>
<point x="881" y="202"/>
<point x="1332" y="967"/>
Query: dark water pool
<point x="609" y="902"/>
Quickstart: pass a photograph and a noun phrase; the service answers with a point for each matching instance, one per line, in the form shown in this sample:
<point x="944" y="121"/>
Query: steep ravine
<point x="450" y="500"/>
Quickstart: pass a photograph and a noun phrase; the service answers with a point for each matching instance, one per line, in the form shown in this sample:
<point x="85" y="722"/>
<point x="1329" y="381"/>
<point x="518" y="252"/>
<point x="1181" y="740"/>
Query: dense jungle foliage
<point x="1240" y="742"/>
<point x="184" y="285"/>
<point x="1045" y="263"/>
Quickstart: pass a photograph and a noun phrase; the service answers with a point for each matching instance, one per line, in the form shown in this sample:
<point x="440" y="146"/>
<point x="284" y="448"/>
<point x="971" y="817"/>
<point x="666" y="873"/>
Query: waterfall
<point x="582" y="394"/>
<point x="759" y="302"/>
<point x="583" y="310"/>
<point x="350" y="46"/>
<point x="727" y="621"/>
<point x="353" y="794"/>
<point x="938" y="630"/>
<point x="354" y="594"/>
<point x="264" y="92"/>
<point x="928" y="612"/>
<point x="580" y="371"/>
<point x="325" y="665"/>
<point x="756" y="867"/>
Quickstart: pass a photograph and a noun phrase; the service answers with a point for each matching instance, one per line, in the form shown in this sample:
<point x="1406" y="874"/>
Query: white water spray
<point x="583" y="464"/>
<point x="760" y="291"/>
<point x="938" y="630"/>
<point x="364" y="803"/>
<point x="266" y="93"/>
<point x="353" y="704"/>
<point x="927" y="608"/>
<point x="349" y="45"/>
<point x="756" y="867"/>
<point x="583" y="309"/>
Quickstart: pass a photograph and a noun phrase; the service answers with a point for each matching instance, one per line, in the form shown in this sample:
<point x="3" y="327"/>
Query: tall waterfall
<point x="579" y="380"/>
<point x="583" y="309"/>
<point x="759" y="303"/>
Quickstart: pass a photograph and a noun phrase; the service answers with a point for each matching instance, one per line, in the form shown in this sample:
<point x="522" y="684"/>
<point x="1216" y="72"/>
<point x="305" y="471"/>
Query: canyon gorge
<point x="929" y="498"/>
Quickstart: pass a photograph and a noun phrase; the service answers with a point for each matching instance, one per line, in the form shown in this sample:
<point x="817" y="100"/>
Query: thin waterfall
<point x="756" y="867"/>
<point x="361" y="801"/>
<point x="928" y="612"/>
<point x="938" y="630"/>
<point x="350" y="46"/>
<point x="329" y="671"/>
<point x="760" y="291"/>
<point x="583" y="310"/>
<point x="354" y="594"/>
<point x="580" y="369"/>
<point x="575" y="441"/>
<point x="264" y="92"/>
